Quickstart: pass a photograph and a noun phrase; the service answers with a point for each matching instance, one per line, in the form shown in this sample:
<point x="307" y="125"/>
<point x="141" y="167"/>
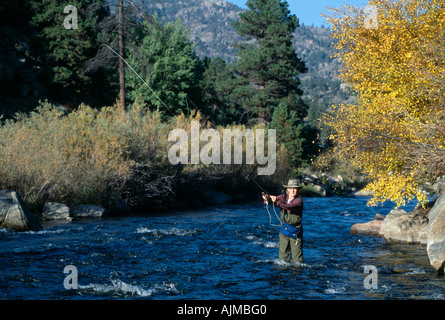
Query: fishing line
<point x="266" y="204"/>
<point x="117" y="54"/>
<point x="270" y="216"/>
<point x="187" y="104"/>
<point x="242" y="166"/>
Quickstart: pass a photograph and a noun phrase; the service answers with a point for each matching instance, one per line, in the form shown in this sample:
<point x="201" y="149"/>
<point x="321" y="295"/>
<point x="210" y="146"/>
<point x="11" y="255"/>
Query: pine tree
<point x="18" y="69"/>
<point x="268" y="66"/>
<point x="288" y="129"/>
<point x="217" y="86"/>
<point x="165" y="59"/>
<point x="64" y="51"/>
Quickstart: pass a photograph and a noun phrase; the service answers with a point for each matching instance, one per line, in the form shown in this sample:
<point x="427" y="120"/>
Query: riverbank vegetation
<point x="99" y="155"/>
<point x="395" y="131"/>
<point x="79" y="145"/>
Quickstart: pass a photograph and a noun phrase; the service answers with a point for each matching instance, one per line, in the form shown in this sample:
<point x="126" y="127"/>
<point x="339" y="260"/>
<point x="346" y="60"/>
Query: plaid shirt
<point x="291" y="212"/>
<point x="295" y="206"/>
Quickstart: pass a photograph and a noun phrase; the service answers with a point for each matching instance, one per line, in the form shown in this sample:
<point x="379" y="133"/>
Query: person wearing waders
<point x="291" y="233"/>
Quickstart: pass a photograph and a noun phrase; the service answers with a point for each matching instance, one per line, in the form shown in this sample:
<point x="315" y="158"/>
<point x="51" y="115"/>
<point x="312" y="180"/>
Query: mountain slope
<point x="209" y="22"/>
<point x="210" y="25"/>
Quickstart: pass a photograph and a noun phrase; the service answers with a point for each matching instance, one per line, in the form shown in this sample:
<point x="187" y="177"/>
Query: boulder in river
<point x="423" y="225"/>
<point x="405" y="227"/>
<point x="214" y="197"/>
<point x="56" y="211"/>
<point x="88" y="211"/>
<point x="436" y="235"/>
<point x="364" y="193"/>
<point x="118" y="207"/>
<point x="371" y="228"/>
<point x="14" y="213"/>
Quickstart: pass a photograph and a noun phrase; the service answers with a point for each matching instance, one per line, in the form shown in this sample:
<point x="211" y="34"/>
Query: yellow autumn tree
<point x="393" y="57"/>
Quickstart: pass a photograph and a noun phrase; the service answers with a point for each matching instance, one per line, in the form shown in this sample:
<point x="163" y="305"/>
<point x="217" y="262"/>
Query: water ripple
<point x="217" y="253"/>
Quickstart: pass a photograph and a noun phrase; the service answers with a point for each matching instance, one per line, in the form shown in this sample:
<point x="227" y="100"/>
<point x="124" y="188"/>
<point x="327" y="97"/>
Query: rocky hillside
<point x="209" y="22"/>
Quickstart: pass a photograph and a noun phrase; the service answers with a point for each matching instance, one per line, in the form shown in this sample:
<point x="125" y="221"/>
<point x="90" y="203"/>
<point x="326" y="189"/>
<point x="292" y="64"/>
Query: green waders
<point x="291" y="247"/>
<point x="291" y="213"/>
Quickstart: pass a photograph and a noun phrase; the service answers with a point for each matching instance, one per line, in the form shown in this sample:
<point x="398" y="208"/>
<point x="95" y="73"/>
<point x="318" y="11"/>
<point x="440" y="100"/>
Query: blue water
<point x="215" y="253"/>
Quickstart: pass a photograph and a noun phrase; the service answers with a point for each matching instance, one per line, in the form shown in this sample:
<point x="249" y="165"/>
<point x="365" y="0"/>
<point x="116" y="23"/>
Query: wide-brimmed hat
<point x="293" y="183"/>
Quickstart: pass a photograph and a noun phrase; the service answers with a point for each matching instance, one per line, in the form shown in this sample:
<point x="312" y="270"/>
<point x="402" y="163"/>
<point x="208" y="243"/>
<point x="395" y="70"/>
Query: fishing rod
<point x="247" y="173"/>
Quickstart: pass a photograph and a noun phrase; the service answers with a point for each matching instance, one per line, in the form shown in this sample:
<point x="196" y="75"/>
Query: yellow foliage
<point x="395" y="130"/>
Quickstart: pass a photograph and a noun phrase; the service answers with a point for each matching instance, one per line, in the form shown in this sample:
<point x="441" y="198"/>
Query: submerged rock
<point x="15" y="215"/>
<point x="88" y="211"/>
<point x="436" y="235"/>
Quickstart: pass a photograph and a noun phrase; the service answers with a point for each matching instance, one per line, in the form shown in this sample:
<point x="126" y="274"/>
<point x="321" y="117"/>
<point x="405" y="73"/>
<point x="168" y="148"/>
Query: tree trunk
<point x="122" y="101"/>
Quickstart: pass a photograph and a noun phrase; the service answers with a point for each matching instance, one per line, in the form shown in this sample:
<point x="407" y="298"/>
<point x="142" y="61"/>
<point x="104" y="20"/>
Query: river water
<point x="216" y="253"/>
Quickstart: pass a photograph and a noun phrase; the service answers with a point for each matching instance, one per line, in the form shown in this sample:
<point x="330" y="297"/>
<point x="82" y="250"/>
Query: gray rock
<point x="56" y="211"/>
<point x="436" y="235"/>
<point x="15" y="215"/>
<point x="379" y="216"/>
<point x="371" y="228"/>
<point x="405" y="227"/>
<point x="423" y="225"/>
<point x="88" y="211"/>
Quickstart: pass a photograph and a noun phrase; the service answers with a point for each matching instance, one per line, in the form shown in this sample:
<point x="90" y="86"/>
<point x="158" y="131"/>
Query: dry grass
<point x="85" y="156"/>
<point x="93" y="156"/>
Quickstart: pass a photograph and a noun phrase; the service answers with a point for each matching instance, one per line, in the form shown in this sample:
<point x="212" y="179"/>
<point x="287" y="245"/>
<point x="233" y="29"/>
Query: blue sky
<point x="309" y="11"/>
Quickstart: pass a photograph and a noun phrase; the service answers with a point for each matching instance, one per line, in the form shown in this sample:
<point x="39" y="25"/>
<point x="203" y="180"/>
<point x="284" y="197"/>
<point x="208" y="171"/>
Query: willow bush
<point x="94" y="155"/>
<point x="85" y="156"/>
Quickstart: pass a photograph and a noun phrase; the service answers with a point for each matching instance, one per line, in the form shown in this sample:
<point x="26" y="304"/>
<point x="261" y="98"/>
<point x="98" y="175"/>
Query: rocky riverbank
<point x="423" y="225"/>
<point x="16" y="215"/>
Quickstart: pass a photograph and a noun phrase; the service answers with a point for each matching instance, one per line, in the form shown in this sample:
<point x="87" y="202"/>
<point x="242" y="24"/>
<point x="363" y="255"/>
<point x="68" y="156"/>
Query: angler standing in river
<point x="291" y="233"/>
